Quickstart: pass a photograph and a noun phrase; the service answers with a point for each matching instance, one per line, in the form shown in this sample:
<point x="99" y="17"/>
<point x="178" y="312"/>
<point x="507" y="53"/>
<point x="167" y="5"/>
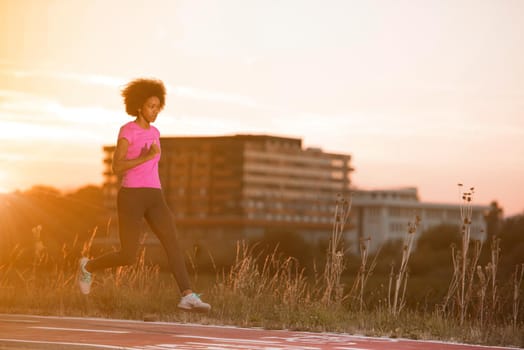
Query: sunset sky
<point x="424" y="94"/>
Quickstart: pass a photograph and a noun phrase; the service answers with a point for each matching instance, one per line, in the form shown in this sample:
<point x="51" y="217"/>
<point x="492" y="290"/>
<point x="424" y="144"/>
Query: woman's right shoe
<point x="192" y="302"/>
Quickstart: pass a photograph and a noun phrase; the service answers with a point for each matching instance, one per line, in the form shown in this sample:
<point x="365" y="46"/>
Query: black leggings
<point x="134" y="204"/>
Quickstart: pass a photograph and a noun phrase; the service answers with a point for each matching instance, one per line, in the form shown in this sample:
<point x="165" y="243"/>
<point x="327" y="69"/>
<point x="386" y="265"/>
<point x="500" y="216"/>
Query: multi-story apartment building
<point x="384" y="215"/>
<point x="226" y="188"/>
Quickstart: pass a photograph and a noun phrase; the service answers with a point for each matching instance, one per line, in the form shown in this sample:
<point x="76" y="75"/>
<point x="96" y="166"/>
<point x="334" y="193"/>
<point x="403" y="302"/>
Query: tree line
<point x="66" y="218"/>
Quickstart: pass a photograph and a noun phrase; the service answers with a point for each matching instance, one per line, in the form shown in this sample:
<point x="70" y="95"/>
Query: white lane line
<point x="80" y="330"/>
<point x="251" y="344"/>
<point x="231" y="340"/>
<point x="65" y="343"/>
<point x="157" y="347"/>
<point x="17" y="320"/>
<point x="229" y="346"/>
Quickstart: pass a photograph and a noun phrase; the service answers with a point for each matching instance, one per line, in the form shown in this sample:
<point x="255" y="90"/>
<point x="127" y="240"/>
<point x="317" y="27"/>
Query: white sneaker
<point x="84" y="277"/>
<point x="192" y="302"/>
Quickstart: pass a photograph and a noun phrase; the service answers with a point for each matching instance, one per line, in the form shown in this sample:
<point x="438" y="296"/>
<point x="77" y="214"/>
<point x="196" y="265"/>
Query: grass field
<point x="270" y="292"/>
<point x="273" y="291"/>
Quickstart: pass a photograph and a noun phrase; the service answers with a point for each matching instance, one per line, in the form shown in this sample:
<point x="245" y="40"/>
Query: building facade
<point x="384" y="215"/>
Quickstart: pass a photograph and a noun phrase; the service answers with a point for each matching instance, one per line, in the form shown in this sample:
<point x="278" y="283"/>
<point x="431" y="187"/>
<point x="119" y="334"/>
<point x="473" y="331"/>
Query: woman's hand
<point x="153" y="150"/>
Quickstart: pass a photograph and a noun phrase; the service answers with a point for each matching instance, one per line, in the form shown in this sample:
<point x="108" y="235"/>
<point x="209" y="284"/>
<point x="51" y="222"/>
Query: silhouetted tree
<point x="289" y="244"/>
<point x="89" y="195"/>
<point x="62" y="218"/>
<point x="432" y="255"/>
<point x="493" y="219"/>
<point x="511" y="244"/>
<point x="389" y="253"/>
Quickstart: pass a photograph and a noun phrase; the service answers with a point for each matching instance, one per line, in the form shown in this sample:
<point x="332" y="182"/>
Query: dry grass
<point x="517" y="282"/>
<point x="400" y="279"/>
<point x="363" y="274"/>
<point x="271" y="290"/>
<point x="334" y="267"/>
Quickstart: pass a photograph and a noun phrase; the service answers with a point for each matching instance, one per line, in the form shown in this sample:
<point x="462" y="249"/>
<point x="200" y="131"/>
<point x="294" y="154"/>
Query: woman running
<point x="140" y="197"/>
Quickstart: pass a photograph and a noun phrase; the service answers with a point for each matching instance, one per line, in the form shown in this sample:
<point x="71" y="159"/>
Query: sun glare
<point x="3" y="180"/>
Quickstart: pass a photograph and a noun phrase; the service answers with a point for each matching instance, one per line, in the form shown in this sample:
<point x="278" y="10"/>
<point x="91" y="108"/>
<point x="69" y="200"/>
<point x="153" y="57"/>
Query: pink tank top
<point x="140" y="140"/>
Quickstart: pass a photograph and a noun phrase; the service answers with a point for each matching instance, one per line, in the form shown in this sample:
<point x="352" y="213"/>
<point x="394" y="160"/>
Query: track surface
<point x="39" y="332"/>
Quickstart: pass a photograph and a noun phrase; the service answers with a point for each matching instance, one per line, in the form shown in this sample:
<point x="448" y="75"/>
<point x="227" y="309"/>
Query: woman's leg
<point x="131" y="207"/>
<point x="160" y="219"/>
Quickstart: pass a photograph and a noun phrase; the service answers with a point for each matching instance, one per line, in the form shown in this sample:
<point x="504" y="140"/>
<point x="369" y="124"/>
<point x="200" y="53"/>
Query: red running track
<point x="40" y="332"/>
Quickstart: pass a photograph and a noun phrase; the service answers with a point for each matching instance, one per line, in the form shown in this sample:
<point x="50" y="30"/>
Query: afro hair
<point x="137" y="91"/>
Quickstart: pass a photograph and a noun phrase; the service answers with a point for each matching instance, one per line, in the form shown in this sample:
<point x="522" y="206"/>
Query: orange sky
<point x="424" y="94"/>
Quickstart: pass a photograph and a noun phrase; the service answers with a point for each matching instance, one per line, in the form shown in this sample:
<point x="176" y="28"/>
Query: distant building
<point x="384" y="214"/>
<point x="226" y="188"/>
